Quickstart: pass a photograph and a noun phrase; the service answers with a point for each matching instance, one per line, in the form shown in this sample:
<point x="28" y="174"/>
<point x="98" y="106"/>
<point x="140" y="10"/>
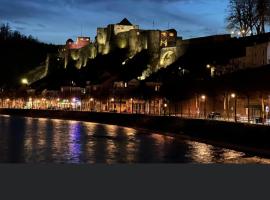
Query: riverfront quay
<point x="244" y="137"/>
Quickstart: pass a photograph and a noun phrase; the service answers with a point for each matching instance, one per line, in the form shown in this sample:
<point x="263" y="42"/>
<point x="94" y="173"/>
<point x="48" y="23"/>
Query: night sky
<point x="54" y="21"/>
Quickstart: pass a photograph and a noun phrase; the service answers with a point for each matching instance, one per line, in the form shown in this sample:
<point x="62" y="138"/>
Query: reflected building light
<point x="232" y="155"/>
<point x="90" y="128"/>
<point x="129" y="131"/>
<point x="111" y="130"/>
<point x="201" y="153"/>
<point x="111" y="152"/>
<point x="74" y="141"/>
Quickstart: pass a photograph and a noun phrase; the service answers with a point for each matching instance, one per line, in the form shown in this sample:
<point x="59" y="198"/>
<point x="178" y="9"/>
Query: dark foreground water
<point x="29" y="140"/>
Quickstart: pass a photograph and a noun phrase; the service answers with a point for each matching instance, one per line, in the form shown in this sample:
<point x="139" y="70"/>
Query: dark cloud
<point x="51" y="19"/>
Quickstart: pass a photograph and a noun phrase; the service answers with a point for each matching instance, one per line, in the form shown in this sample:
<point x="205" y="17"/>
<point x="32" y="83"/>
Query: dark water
<point x="28" y="140"/>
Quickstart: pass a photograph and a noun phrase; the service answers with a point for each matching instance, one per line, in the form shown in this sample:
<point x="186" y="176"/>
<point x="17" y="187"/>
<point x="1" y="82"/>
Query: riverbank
<point x="244" y="137"/>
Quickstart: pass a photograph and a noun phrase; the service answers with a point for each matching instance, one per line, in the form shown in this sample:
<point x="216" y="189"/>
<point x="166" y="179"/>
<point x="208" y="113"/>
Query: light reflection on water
<point x="29" y="140"/>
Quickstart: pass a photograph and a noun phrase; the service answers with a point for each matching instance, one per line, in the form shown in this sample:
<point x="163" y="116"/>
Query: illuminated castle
<point x="164" y="46"/>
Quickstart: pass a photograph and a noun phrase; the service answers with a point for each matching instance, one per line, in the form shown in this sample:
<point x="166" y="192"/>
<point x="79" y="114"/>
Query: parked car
<point x="214" y="115"/>
<point x="259" y="120"/>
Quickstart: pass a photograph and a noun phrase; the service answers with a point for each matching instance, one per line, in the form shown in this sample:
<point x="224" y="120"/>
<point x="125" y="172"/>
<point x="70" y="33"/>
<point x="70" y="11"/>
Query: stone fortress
<point x="165" y="47"/>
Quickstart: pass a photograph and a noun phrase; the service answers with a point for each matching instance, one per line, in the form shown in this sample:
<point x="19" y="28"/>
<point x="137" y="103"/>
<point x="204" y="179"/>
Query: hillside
<point x="20" y="54"/>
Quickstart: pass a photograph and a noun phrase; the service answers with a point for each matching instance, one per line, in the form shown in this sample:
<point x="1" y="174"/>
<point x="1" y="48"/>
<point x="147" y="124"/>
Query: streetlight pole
<point x="248" y="109"/>
<point x="203" y="97"/>
<point x="165" y="108"/>
<point x="131" y="105"/>
<point x="235" y="109"/>
<point x="233" y="95"/>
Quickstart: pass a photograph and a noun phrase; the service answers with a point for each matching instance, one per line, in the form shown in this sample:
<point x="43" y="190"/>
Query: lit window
<point x="171" y="34"/>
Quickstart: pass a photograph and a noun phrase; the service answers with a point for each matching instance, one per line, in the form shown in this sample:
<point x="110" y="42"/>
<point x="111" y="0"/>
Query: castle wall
<point x="92" y="51"/>
<point x="153" y="41"/>
<point x="135" y="43"/>
<point x="168" y="56"/>
<point x="122" y="40"/>
<point x="101" y="36"/>
<point x="123" y="28"/>
<point x="164" y="47"/>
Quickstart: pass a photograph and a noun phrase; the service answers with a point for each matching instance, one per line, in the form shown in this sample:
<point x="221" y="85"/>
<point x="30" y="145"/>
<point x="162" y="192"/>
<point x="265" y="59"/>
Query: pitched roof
<point x="125" y="22"/>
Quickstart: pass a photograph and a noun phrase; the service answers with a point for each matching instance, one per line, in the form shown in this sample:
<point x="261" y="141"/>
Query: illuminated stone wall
<point x="133" y="39"/>
<point x="123" y="28"/>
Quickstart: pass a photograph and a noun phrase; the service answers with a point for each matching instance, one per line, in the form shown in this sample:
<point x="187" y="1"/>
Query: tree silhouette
<point x="248" y="16"/>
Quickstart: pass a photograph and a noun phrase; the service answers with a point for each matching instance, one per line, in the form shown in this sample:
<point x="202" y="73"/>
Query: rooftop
<point x="125" y="22"/>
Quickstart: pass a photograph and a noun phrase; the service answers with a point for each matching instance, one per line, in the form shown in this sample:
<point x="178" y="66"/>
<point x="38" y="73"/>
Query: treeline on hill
<point x="19" y="54"/>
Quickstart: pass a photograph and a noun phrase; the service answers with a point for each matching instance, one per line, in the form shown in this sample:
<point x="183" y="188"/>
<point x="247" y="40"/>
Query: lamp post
<point x="24" y="81"/>
<point x="131" y="105"/>
<point x="92" y="104"/>
<point x="212" y="69"/>
<point x="112" y="103"/>
<point x="203" y="97"/>
<point x="165" y="108"/>
<point x="233" y="96"/>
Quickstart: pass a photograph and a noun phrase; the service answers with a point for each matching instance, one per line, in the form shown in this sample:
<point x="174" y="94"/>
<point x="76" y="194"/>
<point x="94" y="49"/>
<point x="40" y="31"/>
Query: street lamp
<point x="92" y="104"/>
<point x="233" y="96"/>
<point x="212" y="69"/>
<point x="203" y="97"/>
<point x="165" y="107"/>
<point x="113" y="103"/>
<point x="131" y="105"/>
<point x="24" y="81"/>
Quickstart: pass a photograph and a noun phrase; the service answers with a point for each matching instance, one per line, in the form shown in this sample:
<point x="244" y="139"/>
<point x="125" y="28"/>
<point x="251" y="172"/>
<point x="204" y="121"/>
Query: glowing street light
<point x="203" y="97"/>
<point x="233" y="96"/>
<point x="24" y="81"/>
<point x="165" y="108"/>
<point x="212" y="69"/>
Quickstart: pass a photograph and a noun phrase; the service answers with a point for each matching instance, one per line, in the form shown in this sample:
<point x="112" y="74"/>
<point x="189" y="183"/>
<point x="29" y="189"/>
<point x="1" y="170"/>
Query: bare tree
<point x="248" y="16"/>
<point x="262" y="15"/>
<point x="240" y="16"/>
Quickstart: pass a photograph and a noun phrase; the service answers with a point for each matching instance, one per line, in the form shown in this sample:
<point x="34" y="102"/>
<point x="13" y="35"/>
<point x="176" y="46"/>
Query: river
<point x="32" y="140"/>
